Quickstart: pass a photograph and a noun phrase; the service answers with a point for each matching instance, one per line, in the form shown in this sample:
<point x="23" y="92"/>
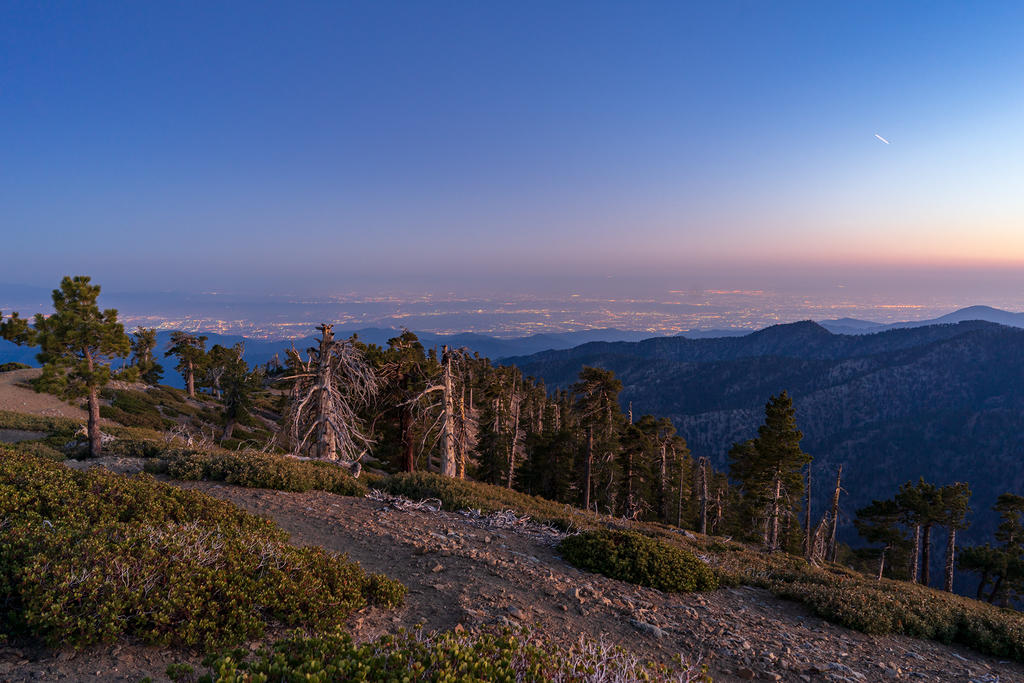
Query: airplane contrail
<point x="881" y="138"/>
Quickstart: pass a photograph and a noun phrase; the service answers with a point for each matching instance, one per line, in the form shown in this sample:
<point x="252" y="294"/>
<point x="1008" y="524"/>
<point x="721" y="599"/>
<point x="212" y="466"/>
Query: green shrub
<point x="7" y="367"/>
<point x="262" y="470"/>
<point x="40" y="449"/>
<point x="92" y="556"/>
<point x="637" y="559"/>
<point x="449" y="657"/>
<point x="153" y="420"/>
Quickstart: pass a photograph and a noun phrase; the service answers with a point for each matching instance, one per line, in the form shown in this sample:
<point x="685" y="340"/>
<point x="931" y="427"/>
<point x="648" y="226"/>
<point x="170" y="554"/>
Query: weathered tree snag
<point x="449" y="467"/>
<point x="926" y="554"/>
<point x="881" y="563"/>
<point x="808" y="532"/>
<point x="773" y="540"/>
<point x="703" y="469"/>
<point x="326" y="390"/>
<point x="682" y="481"/>
<point x="950" y="560"/>
<point x="833" y="537"/>
<point x="587" y="468"/>
<point x="408" y="443"/>
<point x="916" y="554"/>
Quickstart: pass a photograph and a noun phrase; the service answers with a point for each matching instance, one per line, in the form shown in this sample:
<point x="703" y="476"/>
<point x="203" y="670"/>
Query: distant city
<point x="671" y="313"/>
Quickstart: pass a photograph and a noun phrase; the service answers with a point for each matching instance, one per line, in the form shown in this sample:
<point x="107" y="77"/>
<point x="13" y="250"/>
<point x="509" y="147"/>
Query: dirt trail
<point x="465" y="572"/>
<point x="24" y="400"/>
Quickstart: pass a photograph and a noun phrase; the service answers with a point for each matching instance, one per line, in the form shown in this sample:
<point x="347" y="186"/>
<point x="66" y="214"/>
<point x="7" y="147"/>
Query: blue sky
<point x="319" y="147"/>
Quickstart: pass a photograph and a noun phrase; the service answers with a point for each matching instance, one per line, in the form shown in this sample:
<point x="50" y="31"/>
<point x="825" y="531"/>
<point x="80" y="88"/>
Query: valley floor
<point x="464" y="571"/>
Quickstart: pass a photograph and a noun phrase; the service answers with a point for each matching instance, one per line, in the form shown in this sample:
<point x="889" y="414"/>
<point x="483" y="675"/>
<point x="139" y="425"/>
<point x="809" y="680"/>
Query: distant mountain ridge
<point x="986" y="313"/>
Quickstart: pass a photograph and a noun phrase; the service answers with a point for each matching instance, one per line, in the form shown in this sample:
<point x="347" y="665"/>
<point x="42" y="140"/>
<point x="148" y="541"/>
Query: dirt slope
<point x="24" y="400"/>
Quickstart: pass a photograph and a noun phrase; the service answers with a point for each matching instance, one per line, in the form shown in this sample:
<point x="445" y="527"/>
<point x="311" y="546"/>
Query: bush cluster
<point x="638" y="559"/>
<point x="262" y="470"/>
<point x="881" y="607"/>
<point x="8" y="367"/>
<point x="449" y="657"/>
<point x="92" y="556"/>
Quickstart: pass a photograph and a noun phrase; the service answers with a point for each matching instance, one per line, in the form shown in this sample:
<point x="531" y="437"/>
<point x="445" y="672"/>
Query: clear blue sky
<point x="318" y="147"/>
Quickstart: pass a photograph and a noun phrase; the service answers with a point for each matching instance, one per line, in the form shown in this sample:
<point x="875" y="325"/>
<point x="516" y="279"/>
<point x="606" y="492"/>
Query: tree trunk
<point x="950" y="559"/>
<point x="449" y="465"/>
<point x="408" y="447"/>
<point x="463" y="436"/>
<point x="773" y="537"/>
<point x="95" y="438"/>
<point x="515" y="439"/>
<point x="325" y="446"/>
<point x="190" y="379"/>
<point x="982" y="584"/>
<point x="881" y="563"/>
<point x="229" y="429"/>
<point x="704" y="495"/>
<point x="663" y="482"/>
<point x="808" y="532"/>
<point x="926" y="555"/>
<point x="834" y="534"/>
<point x="682" y="481"/>
<point x="587" y="467"/>
<point x="917" y="554"/>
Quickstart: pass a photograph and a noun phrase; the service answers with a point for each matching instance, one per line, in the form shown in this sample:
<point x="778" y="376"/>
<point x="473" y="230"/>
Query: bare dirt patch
<point x="22" y="399"/>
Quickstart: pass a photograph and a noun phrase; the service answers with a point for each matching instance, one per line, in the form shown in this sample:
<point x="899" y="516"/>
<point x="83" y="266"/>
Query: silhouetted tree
<point x="190" y="350"/>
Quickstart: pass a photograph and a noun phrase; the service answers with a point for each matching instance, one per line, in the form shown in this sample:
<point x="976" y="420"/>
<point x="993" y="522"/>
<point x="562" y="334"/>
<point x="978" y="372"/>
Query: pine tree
<point x="76" y="345"/>
<point x="597" y="408"/>
<point x="769" y="468"/>
<point x="879" y="522"/>
<point x="238" y="385"/>
<point x="190" y="351"/>
<point x="953" y="504"/>
<point x="921" y="508"/>
<point x="143" y="345"/>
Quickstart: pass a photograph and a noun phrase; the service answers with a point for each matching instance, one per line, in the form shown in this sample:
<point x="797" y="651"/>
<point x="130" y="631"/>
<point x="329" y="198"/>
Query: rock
<point x="438" y="568"/>
<point x="516" y="613"/>
<point x="745" y="673"/>
<point x="651" y="629"/>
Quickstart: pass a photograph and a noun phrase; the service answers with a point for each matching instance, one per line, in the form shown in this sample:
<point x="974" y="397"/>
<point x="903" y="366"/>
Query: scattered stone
<point x="516" y="613"/>
<point x="651" y="629"/>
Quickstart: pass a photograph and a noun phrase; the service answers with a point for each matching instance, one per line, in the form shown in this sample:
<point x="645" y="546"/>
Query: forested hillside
<point x="944" y="402"/>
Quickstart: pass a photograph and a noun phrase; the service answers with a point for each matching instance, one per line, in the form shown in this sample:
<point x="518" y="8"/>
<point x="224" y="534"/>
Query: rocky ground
<point x="465" y="571"/>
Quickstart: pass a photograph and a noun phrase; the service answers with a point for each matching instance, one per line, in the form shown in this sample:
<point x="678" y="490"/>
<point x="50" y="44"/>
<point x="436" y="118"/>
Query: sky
<point x="315" y="148"/>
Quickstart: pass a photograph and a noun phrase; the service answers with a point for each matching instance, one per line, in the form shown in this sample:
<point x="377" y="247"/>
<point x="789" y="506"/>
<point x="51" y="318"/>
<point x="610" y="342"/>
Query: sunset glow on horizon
<point x="374" y="147"/>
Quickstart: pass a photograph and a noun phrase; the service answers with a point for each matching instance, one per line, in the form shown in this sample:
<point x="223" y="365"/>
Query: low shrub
<point x="8" y="367"/>
<point x="638" y="559"/>
<point x="262" y="470"/>
<point x="886" y="606"/>
<point x="449" y="657"/>
<point x="92" y="556"/>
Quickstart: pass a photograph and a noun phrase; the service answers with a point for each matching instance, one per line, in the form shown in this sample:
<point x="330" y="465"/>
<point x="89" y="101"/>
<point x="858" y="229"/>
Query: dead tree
<point x="328" y="388"/>
<point x="454" y="425"/>
<point x="808" y="541"/>
<point x="835" y="517"/>
<point x="702" y="470"/>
